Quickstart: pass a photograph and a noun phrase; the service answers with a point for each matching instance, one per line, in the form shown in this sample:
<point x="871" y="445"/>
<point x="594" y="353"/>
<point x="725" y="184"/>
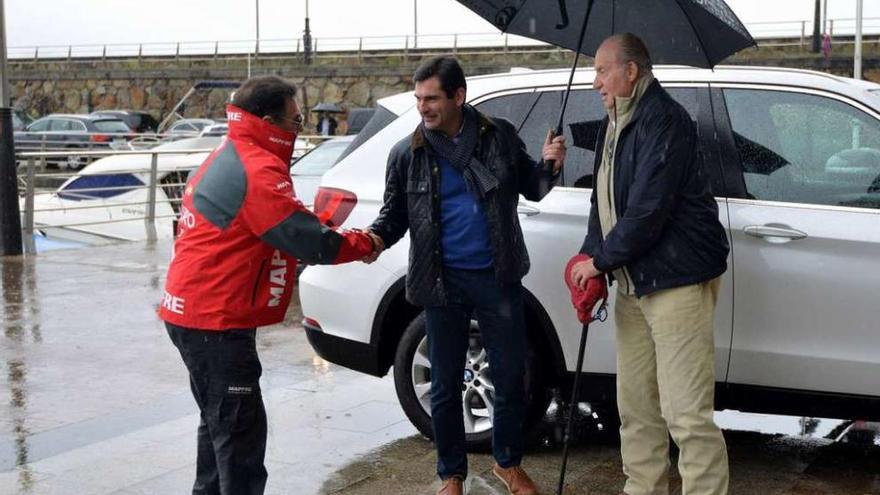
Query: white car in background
<point x="794" y="162"/>
<point x="308" y="169"/>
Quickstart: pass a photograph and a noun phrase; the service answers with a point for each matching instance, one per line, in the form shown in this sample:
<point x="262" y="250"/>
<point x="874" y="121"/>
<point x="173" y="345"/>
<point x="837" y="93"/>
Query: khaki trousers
<point x="666" y="383"/>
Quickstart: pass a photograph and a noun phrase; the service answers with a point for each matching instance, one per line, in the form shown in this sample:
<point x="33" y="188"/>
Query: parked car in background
<point x="308" y="170"/>
<point x="137" y="121"/>
<point x="95" y="204"/>
<point x="72" y="133"/>
<point x="794" y="162"/>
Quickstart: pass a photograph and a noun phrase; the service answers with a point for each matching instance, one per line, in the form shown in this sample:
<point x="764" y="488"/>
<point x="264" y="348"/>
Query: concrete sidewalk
<point x="96" y="399"/>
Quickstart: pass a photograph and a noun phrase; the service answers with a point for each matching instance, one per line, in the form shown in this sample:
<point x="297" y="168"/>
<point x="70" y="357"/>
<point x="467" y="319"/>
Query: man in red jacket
<point x="239" y="236"/>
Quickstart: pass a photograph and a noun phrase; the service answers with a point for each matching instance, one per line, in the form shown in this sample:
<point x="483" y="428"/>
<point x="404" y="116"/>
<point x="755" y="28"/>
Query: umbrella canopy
<point x="328" y="108"/>
<point x="699" y="33"/>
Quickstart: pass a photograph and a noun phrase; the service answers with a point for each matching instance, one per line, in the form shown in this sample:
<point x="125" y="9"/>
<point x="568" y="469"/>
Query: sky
<point x="82" y="22"/>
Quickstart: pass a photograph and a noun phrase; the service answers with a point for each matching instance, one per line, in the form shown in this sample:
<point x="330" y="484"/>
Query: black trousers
<point x="224" y="375"/>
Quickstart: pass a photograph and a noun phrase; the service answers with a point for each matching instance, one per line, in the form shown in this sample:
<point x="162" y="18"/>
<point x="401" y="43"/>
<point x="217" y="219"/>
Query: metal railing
<point x="796" y="32"/>
<point x="33" y="171"/>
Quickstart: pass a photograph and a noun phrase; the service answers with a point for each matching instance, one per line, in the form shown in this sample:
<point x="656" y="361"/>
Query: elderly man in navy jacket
<point x="654" y="229"/>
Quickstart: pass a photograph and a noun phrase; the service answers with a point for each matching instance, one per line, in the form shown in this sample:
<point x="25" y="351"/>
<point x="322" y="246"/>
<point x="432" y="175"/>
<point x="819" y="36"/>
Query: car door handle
<point x="774" y="233"/>
<point x="528" y="211"/>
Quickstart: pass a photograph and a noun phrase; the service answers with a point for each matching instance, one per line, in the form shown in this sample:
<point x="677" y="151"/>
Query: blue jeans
<point x="499" y="312"/>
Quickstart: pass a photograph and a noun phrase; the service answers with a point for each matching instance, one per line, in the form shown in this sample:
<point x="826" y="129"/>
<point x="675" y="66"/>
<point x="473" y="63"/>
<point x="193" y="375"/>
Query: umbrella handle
<point x="563" y="11"/>
<point x="550" y="164"/>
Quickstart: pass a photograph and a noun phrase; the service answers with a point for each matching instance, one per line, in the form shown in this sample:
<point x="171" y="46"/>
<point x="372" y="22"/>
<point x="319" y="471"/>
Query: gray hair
<point x="633" y="49"/>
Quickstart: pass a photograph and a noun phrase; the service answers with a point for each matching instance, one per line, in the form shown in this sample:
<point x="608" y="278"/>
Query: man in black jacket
<point x="654" y="228"/>
<point x="455" y="184"/>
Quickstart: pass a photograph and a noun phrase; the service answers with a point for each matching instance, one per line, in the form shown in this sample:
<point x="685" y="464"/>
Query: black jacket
<point x="667" y="232"/>
<point x="412" y="201"/>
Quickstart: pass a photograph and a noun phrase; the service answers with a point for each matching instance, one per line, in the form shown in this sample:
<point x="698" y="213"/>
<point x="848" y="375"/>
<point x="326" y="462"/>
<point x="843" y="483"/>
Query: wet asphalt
<point x="94" y="400"/>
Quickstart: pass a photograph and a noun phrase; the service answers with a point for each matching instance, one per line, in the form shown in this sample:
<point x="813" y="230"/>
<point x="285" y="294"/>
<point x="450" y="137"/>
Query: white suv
<point x="794" y="158"/>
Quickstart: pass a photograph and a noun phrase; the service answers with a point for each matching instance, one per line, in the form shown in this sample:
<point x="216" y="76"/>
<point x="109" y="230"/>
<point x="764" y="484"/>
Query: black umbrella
<point x="699" y="33"/>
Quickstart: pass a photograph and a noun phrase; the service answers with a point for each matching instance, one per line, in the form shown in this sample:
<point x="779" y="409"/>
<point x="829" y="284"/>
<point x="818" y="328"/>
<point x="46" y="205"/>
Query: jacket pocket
<point x="418" y="198"/>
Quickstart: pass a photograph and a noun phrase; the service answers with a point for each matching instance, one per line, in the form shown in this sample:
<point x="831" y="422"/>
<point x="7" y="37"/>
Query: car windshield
<point x="320" y="159"/>
<point x="111" y="126"/>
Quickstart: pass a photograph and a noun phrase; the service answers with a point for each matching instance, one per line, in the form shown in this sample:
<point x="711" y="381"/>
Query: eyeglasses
<point x="296" y="122"/>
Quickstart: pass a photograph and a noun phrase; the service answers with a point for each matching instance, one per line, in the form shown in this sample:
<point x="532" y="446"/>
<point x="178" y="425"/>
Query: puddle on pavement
<point x="21" y="327"/>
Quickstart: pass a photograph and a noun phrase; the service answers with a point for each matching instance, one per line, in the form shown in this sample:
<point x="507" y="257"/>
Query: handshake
<point x="378" y="247"/>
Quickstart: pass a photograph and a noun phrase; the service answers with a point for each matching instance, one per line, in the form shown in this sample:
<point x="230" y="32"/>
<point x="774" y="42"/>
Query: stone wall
<point x="40" y="87"/>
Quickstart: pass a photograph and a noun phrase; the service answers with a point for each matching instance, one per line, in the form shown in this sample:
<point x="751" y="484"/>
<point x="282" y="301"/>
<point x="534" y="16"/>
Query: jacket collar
<point x="244" y="126"/>
<point x="418" y="137"/>
<point x="653" y="91"/>
<point x="624" y="105"/>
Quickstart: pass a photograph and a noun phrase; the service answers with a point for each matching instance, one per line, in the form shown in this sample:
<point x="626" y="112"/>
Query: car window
<point x="585" y="111"/>
<point x="320" y="159"/>
<point x="99" y="186"/>
<point x="804" y="148"/>
<point x="41" y="125"/>
<point x="61" y="125"/>
<point x="535" y="113"/>
<point x="380" y="119"/>
<point x="111" y="126"/>
<point x="514" y="107"/>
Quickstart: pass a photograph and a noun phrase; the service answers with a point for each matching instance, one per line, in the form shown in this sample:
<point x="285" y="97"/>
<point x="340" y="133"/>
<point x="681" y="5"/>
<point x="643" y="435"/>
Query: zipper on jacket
<point x="257" y="283"/>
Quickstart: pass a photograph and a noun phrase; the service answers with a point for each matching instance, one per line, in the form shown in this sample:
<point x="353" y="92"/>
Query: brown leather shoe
<point x="516" y="480"/>
<point x="452" y="486"/>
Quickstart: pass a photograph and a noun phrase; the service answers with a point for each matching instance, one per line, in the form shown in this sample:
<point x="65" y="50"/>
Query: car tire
<point x="75" y="162"/>
<point x="412" y="383"/>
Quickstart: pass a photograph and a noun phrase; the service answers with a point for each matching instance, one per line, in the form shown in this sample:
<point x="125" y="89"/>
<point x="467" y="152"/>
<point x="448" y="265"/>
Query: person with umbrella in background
<point x="326" y="123"/>
<point x="654" y="228"/>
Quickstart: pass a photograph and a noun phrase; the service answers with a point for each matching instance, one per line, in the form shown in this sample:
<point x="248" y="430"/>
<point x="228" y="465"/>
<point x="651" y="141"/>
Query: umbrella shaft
<point x="572" y="407"/>
<point x="577" y="54"/>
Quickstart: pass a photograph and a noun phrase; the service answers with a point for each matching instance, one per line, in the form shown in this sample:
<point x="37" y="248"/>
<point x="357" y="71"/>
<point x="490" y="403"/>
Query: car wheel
<point x="74" y="162"/>
<point x="412" y="380"/>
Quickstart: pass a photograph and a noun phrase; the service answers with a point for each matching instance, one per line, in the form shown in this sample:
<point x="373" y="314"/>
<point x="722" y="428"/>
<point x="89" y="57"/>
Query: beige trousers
<point x="666" y="385"/>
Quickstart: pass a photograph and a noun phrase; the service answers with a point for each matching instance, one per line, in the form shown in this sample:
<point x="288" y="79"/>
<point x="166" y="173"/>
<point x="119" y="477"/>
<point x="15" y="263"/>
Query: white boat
<point x="107" y="200"/>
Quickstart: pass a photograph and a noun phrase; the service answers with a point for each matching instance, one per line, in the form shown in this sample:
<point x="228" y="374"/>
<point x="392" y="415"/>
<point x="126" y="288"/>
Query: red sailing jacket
<point x="241" y="231"/>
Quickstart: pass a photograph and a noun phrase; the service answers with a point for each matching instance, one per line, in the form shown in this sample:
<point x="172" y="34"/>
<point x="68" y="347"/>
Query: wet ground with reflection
<point x="94" y="400"/>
